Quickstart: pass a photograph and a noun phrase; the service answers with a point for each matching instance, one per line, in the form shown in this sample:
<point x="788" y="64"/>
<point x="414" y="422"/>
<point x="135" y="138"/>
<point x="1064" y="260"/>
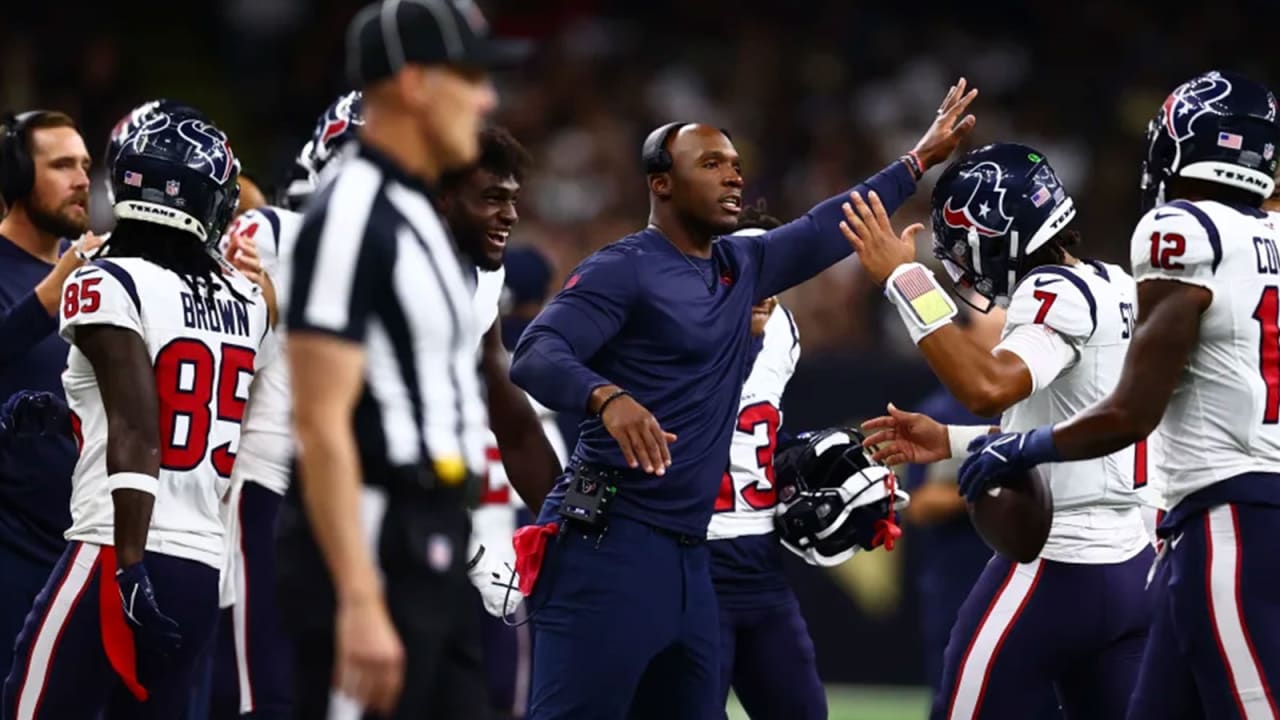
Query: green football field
<point x="864" y="702"/>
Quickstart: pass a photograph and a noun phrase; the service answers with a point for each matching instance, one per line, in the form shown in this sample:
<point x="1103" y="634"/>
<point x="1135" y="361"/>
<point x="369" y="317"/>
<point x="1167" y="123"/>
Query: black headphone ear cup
<point x="17" y="173"/>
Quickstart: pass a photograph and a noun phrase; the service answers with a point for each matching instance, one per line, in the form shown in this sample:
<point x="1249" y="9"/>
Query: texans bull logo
<point x="211" y="147"/>
<point x="1191" y="100"/>
<point x="983" y="207"/>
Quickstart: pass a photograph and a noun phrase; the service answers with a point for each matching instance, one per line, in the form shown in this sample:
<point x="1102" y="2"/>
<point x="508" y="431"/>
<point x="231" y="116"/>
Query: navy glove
<point x="28" y="412"/>
<point x="152" y="630"/>
<point x="997" y="457"/>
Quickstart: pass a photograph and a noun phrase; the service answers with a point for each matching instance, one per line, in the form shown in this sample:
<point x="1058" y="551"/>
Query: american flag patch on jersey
<point x="132" y="178"/>
<point x="923" y="295"/>
<point x="1230" y="141"/>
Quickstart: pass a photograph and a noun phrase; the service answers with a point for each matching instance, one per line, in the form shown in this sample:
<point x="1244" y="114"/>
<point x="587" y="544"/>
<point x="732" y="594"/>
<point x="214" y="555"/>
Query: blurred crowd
<point x="817" y="95"/>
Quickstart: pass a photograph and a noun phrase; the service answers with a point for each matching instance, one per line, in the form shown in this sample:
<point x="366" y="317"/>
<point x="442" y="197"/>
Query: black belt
<point x="680" y="538"/>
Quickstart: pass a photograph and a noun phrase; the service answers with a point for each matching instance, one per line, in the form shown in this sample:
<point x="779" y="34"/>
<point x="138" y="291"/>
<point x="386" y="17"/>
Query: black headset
<point x="17" y="171"/>
<point x="654" y="154"/>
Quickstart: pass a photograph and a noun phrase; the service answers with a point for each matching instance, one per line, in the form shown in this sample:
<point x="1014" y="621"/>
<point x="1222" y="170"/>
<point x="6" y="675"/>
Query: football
<point x="1014" y="519"/>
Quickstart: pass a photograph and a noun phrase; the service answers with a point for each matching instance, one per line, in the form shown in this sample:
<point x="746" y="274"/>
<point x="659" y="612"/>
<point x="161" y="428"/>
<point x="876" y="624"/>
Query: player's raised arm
<point x="804" y="247"/>
<point x="1049" y="316"/>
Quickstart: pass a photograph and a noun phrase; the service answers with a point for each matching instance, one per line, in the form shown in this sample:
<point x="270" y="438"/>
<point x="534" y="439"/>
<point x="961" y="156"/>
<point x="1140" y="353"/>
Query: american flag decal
<point x="923" y="295"/>
<point x="132" y="178"/>
<point x="1230" y="141"/>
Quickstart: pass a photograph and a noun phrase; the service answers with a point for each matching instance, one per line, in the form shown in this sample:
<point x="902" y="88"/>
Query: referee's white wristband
<point x="133" y="481"/>
<point x="961" y="435"/>
<point x="922" y="304"/>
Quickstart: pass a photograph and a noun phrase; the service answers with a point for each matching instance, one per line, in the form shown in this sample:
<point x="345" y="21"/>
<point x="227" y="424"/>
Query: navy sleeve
<point x="804" y="247"/>
<point x="23" y="327"/>
<point x="550" y="359"/>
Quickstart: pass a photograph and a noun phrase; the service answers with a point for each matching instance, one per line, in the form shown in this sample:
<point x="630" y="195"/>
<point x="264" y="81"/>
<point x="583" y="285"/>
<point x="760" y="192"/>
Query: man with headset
<point x="44" y="182"/>
<point x="650" y="337"/>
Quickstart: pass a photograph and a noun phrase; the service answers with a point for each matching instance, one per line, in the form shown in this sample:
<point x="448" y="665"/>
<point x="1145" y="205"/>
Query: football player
<point x="1077" y="615"/>
<point x="253" y="663"/>
<point x="480" y="205"/>
<point x="165" y="342"/>
<point x="1206" y="358"/>
<point x="766" y="653"/>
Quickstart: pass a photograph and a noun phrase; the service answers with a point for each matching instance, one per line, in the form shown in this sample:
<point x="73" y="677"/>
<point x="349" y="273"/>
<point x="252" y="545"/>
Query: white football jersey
<point x="1224" y="417"/>
<point x="266" y="442"/>
<point x="205" y="355"/>
<point x="1092" y="307"/>
<point x="748" y="492"/>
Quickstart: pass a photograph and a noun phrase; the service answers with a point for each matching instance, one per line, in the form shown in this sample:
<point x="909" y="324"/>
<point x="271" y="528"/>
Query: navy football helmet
<point x="991" y="209"/>
<point x="136" y="118"/>
<point x="1220" y="127"/>
<point x="177" y="171"/>
<point x="333" y="130"/>
<point x="833" y="498"/>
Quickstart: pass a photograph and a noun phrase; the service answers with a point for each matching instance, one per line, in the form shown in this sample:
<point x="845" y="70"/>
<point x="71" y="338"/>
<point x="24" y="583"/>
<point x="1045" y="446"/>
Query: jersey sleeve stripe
<point x="1100" y="268"/>
<point x="791" y="322"/>
<point x="274" y="220"/>
<point x="1080" y="284"/>
<point x="124" y="278"/>
<point x="1215" y="240"/>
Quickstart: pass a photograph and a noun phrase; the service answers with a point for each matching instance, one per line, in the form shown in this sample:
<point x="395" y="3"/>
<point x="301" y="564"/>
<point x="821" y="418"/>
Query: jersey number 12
<point x="1267" y="313"/>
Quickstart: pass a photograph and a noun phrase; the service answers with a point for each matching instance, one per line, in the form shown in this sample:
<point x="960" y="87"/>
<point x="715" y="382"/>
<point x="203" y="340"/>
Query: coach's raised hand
<point x="641" y="438"/>
<point x="950" y="128"/>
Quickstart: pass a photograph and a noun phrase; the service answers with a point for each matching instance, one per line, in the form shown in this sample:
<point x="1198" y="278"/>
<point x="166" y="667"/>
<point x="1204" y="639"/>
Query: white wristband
<point x="961" y="435"/>
<point x="923" y="305"/>
<point x="133" y="481"/>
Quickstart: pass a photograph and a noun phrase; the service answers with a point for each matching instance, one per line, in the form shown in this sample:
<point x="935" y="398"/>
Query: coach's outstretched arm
<point x="550" y="359"/>
<point x="806" y="246"/>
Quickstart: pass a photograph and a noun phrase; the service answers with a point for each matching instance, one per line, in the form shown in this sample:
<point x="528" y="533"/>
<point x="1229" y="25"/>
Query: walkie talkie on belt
<point x="586" y="500"/>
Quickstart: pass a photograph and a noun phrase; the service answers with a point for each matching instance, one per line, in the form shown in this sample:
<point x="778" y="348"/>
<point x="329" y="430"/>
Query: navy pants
<point x="1080" y="627"/>
<point x="1214" y="650"/>
<point x="61" y="669"/>
<point x="625" y="625"/>
<point x="22" y="579"/>
<point x="768" y="657"/>
<point x="254" y="658"/>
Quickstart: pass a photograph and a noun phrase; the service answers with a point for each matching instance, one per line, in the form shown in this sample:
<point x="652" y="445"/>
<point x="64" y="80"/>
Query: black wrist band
<point x="616" y="394"/>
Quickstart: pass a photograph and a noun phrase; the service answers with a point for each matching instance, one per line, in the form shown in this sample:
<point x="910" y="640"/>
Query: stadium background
<point x="817" y="95"/>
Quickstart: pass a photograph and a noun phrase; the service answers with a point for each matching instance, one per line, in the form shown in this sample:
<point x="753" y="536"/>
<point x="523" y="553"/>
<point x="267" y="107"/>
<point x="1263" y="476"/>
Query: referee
<point x="381" y="345"/>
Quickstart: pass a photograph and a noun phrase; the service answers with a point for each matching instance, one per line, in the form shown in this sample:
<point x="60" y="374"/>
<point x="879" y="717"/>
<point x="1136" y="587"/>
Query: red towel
<point x="530" y="543"/>
<point x="117" y="636"/>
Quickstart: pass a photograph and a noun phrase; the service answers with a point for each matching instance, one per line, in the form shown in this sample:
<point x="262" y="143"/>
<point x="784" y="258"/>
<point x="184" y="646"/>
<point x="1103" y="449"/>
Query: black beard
<point x="54" y="224"/>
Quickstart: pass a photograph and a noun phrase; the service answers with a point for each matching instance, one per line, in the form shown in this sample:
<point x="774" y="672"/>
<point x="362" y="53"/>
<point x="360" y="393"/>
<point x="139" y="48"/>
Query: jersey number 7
<point x="189" y="398"/>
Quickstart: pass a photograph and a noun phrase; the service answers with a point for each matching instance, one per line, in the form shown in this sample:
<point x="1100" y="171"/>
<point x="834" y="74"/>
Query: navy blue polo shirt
<point x="674" y="331"/>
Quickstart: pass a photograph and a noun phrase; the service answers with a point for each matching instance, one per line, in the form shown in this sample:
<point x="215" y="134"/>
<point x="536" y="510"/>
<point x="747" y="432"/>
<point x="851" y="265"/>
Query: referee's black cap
<point x="389" y="34"/>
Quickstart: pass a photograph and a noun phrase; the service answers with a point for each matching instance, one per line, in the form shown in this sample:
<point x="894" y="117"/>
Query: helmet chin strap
<point x="975" y="254"/>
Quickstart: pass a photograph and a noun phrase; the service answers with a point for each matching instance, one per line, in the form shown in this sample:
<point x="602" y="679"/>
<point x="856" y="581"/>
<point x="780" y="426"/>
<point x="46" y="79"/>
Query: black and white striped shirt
<point x="374" y="264"/>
